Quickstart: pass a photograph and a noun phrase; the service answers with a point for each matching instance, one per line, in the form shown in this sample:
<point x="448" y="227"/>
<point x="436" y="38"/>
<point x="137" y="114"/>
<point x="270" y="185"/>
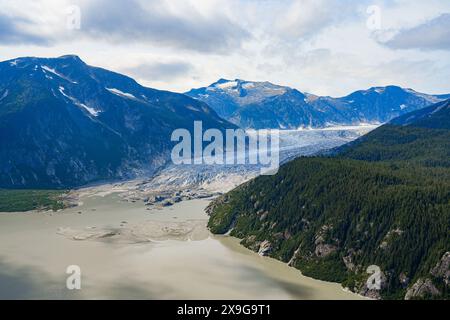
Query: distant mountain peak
<point x="34" y="63"/>
<point x="221" y="80"/>
<point x="70" y="56"/>
<point x="262" y="104"/>
<point x="379" y="90"/>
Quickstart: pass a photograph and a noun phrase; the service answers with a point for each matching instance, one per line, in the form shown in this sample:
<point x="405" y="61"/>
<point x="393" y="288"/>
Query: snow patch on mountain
<point x="53" y="71"/>
<point x="193" y="108"/>
<point x="61" y="89"/>
<point x="121" y="93"/>
<point x="4" y="95"/>
<point x="226" y="85"/>
<point x="248" y="85"/>
<point x="439" y="109"/>
<point x="92" y="111"/>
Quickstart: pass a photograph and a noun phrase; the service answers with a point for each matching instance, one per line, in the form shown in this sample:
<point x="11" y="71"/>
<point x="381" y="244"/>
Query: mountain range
<point x="259" y="105"/>
<point x="64" y="123"/>
<point x="382" y="200"/>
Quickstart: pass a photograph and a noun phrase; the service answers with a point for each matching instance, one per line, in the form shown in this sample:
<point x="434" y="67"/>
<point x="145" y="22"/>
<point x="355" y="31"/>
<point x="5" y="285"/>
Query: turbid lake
<point x="125" y="251"/>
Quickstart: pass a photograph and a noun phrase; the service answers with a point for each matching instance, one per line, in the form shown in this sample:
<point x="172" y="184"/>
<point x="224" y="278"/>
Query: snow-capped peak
<point x="237" y="85"/>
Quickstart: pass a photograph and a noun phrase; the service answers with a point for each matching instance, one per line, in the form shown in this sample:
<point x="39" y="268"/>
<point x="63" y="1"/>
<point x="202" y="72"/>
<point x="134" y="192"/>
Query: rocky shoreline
<point x="421" y="287"/>
<point x="154" y="197"/>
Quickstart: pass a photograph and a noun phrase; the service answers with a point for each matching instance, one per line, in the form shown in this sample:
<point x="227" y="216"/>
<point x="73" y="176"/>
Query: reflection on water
<point x="127" y="252"/>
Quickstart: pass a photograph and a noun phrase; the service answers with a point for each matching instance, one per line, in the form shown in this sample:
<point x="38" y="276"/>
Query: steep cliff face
<point x="383" y="200"/>
<point x="64" y="123"/>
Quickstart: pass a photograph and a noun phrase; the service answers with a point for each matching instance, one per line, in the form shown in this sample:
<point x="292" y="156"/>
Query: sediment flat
<point x="128" y="251"/>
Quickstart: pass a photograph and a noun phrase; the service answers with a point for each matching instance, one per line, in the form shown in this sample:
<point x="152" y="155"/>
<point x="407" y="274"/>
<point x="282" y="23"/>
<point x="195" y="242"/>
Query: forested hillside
<point x="383" y="200"/>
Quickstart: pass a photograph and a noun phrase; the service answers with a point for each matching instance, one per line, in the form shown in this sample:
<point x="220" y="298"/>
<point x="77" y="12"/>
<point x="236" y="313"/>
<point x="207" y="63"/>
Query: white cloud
<point x="306" y="18"/>
<point x="159" y="71"/>
<point x="17" y="30"/>
<point x="320" y="46"/>
<point x="431" y="35"/>
<point x="174" y="24"/>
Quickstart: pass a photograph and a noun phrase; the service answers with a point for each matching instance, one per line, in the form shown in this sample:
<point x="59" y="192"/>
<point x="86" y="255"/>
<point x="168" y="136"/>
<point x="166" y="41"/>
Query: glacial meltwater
<point x="128" y="251"/>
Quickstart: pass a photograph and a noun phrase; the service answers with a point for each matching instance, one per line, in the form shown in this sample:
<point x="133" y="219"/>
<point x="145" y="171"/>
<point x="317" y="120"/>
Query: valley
<point x="125" y="251"/>
<point x="214" y="157"/>
<point x="149" y="238"/>
<point x="88" y="170"/>
<point x="175" y="183"/>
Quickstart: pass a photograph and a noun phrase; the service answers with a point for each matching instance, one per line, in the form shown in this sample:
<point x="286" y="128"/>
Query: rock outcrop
<point x="421" y="288"/>
<point x="323" y="250"/>
<point x="442" y="269"/>
<point x="265" y="248"/>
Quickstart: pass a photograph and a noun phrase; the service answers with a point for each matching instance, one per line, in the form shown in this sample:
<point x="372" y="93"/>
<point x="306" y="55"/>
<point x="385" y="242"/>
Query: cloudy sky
<point x="326" y="47"/>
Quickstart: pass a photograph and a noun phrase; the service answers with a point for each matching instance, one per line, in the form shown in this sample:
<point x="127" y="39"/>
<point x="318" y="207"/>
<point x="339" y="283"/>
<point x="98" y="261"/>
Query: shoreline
<point x="176" y="256"/>
<point x="99" y="191"/>
<point x="345" y="289"/>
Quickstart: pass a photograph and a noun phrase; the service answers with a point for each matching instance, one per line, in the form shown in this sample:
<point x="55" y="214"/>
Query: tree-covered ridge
<point x="384" y="200"/>
<point x="412" y="145"/>
<point x="421" y="137"/>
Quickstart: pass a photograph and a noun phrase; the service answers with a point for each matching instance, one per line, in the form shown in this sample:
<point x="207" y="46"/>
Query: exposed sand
<point x="126" y="251"/>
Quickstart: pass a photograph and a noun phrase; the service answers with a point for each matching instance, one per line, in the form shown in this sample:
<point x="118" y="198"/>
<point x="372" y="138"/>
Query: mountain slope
<point x="419" y="138"/>
<point x="64" y="123"/>
<point x="383" y="200"/>
<point x="385" y="103"/>
<point x="435" y="117"/>
<point x="265" y="105"/>
<point x="256" y="104"/>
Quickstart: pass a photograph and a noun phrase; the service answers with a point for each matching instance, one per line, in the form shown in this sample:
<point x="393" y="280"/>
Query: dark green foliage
<point x="383" y="200"/>
<point x="25" y="200"/>
<point x="328" y="269"/>
<point x="417" y="146"/>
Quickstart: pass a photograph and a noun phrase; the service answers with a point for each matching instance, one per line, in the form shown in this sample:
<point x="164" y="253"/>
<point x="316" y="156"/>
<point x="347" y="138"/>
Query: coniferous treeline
<point x="383" y="200"/>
